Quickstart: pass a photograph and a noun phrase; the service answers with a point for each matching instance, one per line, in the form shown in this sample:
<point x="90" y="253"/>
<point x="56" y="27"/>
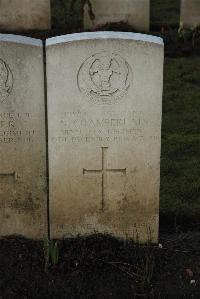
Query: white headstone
<point x="23" y="197"/>
<point x="134" y="12"/>
<point x="25" y="15"/>
<point x="190" y="13"/>
<point x="104" y="116"/>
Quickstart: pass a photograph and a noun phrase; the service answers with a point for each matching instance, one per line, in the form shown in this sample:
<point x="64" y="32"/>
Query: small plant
<point x="189" y="34"/>
<point x="195" y="36"/>
<point x="51" y="253"/>
<point x="144" y="265"/>
<point x="83" y="2"/>
<point x="144" y="268"/>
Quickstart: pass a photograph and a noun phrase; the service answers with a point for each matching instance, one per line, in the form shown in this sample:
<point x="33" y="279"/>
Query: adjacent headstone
<point x="23" y="199"/>
<point x="22" y="15"/>
<point x="134" y="12"/>
<point x="104" y="116"/>
<point x="190" y="13"/>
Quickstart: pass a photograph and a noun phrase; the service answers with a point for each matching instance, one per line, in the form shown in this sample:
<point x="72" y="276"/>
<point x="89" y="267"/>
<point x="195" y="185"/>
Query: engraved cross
<point x="104" y="171"/>
<point x="8" y="175"/>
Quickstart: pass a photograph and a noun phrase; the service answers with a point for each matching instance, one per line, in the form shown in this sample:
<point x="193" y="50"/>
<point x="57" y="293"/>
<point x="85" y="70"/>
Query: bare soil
<point x="100" y="266"/>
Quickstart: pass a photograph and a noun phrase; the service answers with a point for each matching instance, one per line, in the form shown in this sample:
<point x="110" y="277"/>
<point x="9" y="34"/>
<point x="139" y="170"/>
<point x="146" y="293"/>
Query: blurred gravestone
<point x="23" y="197"/>
<point x="133" y="12"/>
<point x="104" y="117"/>
<point x="19" y="15"/>
<point x="190" y="13"/>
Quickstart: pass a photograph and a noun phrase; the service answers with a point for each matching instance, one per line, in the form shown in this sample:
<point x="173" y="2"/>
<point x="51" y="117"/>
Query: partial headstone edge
<point x="104" y="35"/>
<point x="19" y="39"/>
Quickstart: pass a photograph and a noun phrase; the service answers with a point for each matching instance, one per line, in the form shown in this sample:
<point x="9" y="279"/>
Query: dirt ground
<point x="100" y="266"/>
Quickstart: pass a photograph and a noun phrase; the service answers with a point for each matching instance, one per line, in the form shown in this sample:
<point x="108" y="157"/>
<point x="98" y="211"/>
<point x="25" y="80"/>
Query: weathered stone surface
<point x="22" y="138"/>
<point x="104" y="115"/>
<point x="190" y="13"/>
<point x="25" y="15"/>
<point x="134" y="12"/>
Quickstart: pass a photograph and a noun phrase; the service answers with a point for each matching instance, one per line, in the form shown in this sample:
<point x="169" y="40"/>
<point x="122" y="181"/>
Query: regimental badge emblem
<point x="105" y="78"/>
<point x="6" y="80"/>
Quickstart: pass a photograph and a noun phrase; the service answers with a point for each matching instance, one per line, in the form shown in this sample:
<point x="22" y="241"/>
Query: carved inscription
<point x="6" y="80"/>
<point x="104" y="77"/>
<point x="110" y="126"/>
<point x="16" y="128"/>
<point x="7" y="176"/>
<point x="145" y="226"/>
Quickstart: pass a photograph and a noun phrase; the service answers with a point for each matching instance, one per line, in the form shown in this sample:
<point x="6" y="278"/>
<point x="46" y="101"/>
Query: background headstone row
<point x="23" y="15"/>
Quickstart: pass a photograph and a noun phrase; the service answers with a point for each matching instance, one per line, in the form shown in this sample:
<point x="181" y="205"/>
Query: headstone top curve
<point x="104" y="35"/>
<point x="19" y="39"/>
